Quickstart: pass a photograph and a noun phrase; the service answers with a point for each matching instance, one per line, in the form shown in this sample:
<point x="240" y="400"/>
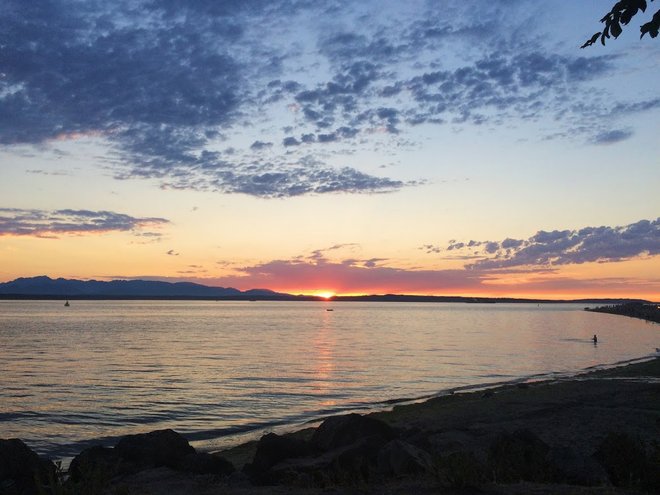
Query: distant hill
<point x="47" y="288"/>
<point x="65" y="288"/>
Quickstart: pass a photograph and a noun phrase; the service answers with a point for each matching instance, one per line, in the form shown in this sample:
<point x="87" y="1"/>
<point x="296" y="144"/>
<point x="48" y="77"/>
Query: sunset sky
<point x="427" y="147"/>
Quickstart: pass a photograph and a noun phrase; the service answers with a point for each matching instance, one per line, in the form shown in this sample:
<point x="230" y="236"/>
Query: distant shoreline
<point x="642" y="311"/>
<point x="291" y="297"/>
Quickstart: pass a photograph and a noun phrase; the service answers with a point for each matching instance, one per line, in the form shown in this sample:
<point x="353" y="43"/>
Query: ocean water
<point x="218" y="372"/>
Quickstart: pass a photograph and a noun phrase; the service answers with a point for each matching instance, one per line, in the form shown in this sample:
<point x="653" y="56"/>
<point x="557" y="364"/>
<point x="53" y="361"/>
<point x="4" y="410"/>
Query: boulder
<point x="625" y="459"/>
<point x="96" y="461"/>
<point x="203" y="463"/>
<point x="21" y="467"/>
<point x="154" y="449"/>
<point x="273" y="449"/>
<point x="520" y="455"/>
<point x="339" y="431"/>
<point x="577" y="469"/>
<point x="400" y="458"/>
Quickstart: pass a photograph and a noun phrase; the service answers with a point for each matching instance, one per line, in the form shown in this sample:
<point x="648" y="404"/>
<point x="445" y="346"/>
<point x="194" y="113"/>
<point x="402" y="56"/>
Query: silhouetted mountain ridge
<point x="61" y="287"/>
<point x="43" y="287"/>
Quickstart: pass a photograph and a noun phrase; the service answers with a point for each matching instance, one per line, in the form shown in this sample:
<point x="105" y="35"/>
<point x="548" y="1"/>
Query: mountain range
<point x="44" y="286"/>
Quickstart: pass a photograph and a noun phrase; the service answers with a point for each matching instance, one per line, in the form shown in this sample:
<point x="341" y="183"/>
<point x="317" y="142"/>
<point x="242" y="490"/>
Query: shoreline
<point x="249" y="434"/>
<point x="387" y="407"/>
<point x="282" y="427"/>
<point x="469" y="437"/>
<point x="386" y="298"/>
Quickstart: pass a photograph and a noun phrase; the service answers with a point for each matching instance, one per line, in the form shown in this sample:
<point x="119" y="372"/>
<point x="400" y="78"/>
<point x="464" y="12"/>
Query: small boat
<point x="67" y="304"/>
<point x="329" y="309"/>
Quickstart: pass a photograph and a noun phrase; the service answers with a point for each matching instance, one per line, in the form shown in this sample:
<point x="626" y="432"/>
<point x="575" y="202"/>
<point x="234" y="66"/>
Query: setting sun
<point x="326" y="294"/>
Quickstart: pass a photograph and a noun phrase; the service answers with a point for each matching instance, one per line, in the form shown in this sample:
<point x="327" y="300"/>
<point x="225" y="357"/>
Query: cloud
<point x="46" y="223"/>
<point x="260" y="145"/>
<point x="372" y="276"/>
<point x="564" y="247"/>
<point x="159" y="85"/>
<point x="354" y="276"/>
<point x="49" y="172"/>
<point x="613" y="136"/>
<point x="316" y="270"/>
<point x="164" y="83"/>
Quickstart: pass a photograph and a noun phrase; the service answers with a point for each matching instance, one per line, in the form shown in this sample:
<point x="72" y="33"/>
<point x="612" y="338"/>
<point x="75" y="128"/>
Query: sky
<point x="339" y="147"/>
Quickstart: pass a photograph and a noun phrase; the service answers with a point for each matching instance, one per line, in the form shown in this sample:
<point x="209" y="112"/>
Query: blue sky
<point x="248" y="135"/>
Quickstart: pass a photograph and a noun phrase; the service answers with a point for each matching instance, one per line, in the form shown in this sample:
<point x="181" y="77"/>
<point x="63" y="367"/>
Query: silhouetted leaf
<point x="627" y="15"/>
<point x="591" y="40"/>
<point x="620" y="14"/>
<point x="652" y="26"/>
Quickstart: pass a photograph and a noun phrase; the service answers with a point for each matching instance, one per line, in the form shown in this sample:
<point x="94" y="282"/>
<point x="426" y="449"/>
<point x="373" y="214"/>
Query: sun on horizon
<point x="325" y="294"/>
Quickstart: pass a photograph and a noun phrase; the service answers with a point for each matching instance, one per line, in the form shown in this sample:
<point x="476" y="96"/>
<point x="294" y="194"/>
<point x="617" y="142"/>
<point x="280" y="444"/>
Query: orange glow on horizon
<point x="503" y="292"/>
<point x="325" y="294"/>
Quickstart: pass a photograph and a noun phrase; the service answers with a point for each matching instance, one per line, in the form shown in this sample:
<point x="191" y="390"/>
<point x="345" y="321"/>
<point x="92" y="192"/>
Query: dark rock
<point x="94" y="462"/>
<point x="203" y="463"/>
<point x="358" y="461"/>
<point x="625" y="459"/>
<point x="21" y="467"/>
<point x="366" y="459"/>
<point x="520" y="455"/>
<point x="446" y="442"/>
<point x="461" y="471"/>
<point x="339" y="431"/>
<point x="154" y="449"/>
<point x="577" y="469"/>
<point x="398" y="458"/>
<point x="272" y="449"/>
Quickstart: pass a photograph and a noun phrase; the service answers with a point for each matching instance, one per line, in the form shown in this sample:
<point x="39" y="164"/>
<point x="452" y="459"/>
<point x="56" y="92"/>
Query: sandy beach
<point x="597" y="432"/>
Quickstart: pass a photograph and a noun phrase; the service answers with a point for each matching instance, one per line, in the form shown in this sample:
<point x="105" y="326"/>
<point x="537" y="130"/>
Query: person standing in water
<point x="595" y="339"/>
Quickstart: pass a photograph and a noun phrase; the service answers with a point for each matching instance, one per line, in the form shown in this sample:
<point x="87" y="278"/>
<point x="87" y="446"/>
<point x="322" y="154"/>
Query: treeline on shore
<point x="644" y="311"/>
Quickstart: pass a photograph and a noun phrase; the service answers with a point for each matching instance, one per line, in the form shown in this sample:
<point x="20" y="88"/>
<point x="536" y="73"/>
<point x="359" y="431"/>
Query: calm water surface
<point x="213" y="370"/>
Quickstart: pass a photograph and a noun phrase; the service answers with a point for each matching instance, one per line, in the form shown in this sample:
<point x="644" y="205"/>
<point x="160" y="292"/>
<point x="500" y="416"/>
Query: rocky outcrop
<point x="519" y="456"/>
<point x="397" y="458"/>
<point x="154" y="449"/>
<point x="204" y="463"/>
<point x="273" y="448"/>
<point x="134" y="453"/>
<point x="342" y="448"/>
<point x="21" y="469"/>
<point x="95" y="461"/>
<point x="339" y="431"/>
